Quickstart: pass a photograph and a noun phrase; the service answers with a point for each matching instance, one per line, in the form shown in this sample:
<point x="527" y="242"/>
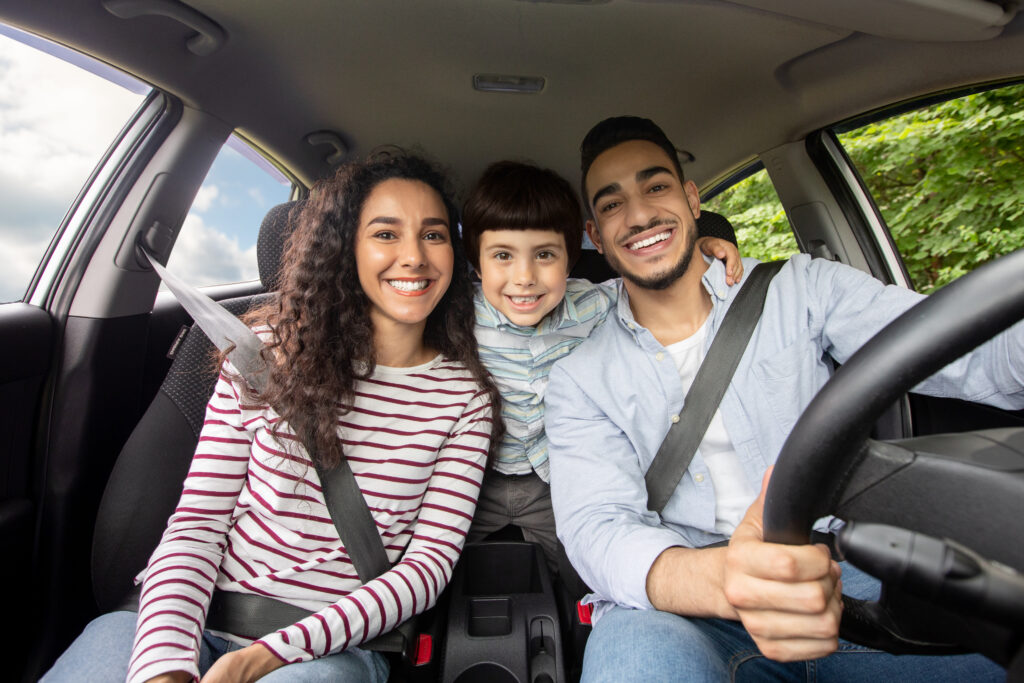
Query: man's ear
<point x="692" y="197"/>
<point x="594" y="235"/>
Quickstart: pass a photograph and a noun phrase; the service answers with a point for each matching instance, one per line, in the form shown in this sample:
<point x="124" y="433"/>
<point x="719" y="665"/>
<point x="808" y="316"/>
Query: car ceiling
<point x="727" y="80"/>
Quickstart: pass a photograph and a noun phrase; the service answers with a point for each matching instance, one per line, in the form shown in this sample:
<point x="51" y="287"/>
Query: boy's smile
<point x="523" y="272"/>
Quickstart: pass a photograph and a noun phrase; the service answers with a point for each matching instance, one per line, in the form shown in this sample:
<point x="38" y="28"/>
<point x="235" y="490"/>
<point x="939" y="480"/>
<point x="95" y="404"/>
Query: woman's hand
<point x="243" y="666"/>
<point x="172" y="677"/>
<point x="724" y="250"/>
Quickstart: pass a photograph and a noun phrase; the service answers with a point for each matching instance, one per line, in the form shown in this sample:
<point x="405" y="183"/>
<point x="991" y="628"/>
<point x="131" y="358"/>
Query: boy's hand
<point x="789" y="597"/>
<point x="723" y="250"/>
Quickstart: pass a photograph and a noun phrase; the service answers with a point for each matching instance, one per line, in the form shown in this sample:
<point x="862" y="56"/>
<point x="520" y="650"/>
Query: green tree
<point x="753" y="208"/>
<point x="948" y="181"/>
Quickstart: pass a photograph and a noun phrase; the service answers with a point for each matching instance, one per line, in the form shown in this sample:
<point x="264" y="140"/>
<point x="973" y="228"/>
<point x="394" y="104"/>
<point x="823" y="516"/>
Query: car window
<point x="59" y="113"/>
<point x="948" y="179"/>
<point x="752" y="206"/>
<point x="217" y="241"/>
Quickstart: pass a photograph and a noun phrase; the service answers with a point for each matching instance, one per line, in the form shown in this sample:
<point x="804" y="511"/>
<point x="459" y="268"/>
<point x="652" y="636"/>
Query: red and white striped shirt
<point x="252" y="517"/>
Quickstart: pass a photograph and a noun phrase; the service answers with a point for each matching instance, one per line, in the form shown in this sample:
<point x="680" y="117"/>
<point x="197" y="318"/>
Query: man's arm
<point x="599" y="498"/>
<point x="850" y="307"/>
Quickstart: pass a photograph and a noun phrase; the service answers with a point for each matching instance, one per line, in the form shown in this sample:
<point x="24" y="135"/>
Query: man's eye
<point x="605" y="208"/>
<point x="658" y="188"/>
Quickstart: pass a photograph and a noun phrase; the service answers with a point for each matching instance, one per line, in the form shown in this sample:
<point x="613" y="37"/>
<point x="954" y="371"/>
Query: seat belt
<point x="253" y="616"/>
<point x="684" y="436"/>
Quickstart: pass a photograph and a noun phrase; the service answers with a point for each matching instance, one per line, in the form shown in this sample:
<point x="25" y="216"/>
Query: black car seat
<point x="593" y="266"/>
<point x="145" y="484"/>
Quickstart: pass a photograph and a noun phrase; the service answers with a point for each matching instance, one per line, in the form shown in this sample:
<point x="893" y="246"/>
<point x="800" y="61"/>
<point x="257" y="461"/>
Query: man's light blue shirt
<point x="610" y="404"/>
<point x="520" y="359"/>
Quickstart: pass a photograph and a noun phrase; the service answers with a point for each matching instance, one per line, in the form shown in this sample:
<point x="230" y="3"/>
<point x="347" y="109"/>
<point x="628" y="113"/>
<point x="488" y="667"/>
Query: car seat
<point x="145" y="483"/>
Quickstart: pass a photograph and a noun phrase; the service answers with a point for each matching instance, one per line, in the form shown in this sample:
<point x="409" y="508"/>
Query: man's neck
<point x="677" y="312"/>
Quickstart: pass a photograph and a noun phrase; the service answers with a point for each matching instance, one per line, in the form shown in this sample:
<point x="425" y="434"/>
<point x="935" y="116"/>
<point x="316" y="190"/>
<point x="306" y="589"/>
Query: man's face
<point x="643" y="213"/>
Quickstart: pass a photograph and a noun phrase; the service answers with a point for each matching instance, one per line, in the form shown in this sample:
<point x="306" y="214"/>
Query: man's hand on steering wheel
<point x="789" y="597"/>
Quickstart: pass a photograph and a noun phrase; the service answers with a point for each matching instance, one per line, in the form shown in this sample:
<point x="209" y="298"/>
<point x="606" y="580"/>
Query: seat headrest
<point x="711" y="224"/>
<point x="274" y="232"/>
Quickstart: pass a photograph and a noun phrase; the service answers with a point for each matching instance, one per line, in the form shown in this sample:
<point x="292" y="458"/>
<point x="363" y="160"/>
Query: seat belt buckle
<point x="584" y="613"/>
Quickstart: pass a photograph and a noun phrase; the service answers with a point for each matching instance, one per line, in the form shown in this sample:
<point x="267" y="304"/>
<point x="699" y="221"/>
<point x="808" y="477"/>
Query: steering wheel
<point x="926" y="515"/>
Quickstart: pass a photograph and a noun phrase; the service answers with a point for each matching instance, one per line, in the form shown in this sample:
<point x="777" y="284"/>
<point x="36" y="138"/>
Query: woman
<point x="371" y="358"/>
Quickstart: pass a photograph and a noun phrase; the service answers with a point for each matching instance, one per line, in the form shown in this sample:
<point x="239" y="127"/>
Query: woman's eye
<point x="435" y="236"/>
<point x="384" y="235"/>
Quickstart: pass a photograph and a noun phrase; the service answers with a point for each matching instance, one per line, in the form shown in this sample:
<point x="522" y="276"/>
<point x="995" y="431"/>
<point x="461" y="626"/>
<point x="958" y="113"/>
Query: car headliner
<point x="727" y="80"/>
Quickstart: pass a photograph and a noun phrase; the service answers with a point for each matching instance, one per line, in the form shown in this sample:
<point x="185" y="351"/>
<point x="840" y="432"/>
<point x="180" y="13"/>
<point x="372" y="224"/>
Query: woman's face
<point x="404" y="253"/>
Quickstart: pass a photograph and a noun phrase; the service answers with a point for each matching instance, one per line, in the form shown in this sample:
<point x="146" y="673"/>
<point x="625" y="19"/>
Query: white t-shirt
<point x="733" y="494"/>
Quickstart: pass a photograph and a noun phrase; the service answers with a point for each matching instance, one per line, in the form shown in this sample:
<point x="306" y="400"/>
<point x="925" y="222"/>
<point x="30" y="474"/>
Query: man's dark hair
<point x="515" y="196"/>
<point x="614" y="131"/>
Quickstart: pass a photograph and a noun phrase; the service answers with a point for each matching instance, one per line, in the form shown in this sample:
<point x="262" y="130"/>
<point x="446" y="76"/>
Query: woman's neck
<point x="400" y="346"/>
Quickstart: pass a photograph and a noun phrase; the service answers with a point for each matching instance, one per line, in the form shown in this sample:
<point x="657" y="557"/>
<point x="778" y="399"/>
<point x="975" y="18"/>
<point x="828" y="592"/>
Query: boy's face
<point x="523" y="272"/>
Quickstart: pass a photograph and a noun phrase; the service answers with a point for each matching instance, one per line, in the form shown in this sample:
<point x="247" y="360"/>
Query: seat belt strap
<point x="345" y="502"/>
<point x="708" y="388"/>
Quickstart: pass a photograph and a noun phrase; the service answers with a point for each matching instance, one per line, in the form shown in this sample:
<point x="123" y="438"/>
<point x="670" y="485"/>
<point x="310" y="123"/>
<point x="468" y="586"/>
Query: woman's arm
<point x="182" y="570"/>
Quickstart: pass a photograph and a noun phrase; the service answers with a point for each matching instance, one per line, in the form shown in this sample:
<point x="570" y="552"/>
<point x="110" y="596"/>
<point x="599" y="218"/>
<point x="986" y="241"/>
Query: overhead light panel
<point x="508" y="83"/>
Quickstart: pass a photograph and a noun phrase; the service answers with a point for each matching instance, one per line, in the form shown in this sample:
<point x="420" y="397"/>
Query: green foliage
<point x="948" y="179"/>
<point x="753" y="208"/>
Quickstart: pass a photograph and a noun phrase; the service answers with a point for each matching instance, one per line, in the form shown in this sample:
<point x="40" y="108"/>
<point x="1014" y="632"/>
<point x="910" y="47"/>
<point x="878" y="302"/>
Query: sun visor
<point x="923" y="20"/>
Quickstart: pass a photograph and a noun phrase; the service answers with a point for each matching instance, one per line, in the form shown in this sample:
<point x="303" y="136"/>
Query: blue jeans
<point x="648" y="645"/>
<point x="102" y="652"/>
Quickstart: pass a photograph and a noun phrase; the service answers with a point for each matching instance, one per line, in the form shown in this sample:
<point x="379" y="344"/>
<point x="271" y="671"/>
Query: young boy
<point x="523" y="230"/>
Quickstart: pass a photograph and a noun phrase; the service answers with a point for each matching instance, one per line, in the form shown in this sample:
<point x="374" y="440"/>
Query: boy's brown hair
<point x="515" y="196"/>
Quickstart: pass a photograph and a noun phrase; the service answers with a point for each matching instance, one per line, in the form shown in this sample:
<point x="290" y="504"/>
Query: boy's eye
<point x="546" y="255"/>
<point x="502" y="256"/>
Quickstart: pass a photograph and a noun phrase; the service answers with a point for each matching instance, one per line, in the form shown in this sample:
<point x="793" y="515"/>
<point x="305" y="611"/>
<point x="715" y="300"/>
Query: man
<point x="666" y="607"/>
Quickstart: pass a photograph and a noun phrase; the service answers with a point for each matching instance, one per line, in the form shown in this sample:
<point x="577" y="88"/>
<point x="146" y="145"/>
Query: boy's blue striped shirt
<point x="520" y="358"/>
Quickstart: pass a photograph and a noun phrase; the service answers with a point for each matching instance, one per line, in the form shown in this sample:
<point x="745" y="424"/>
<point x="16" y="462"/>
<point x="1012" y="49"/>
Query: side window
<point x="949" y="181"/>
<point x="753" y="208"/>
<point x="217" y="242"/>
<point x="59" y="112"/>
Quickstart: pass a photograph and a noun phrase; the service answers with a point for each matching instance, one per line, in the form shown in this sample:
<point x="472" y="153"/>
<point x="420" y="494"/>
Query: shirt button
<point x="675" y="419"/>
<point x="698" y="478"/>
<point x="720" y="293"/>
<point x="631" y="326"/>
<point x="659" y="356"/>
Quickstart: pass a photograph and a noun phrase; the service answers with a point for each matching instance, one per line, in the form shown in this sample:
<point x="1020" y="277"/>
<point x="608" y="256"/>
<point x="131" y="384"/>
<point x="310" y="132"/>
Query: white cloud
<point x="204" y="255"/>
<point x="56" y="121"/>
<point x="257" y="196"/>
<point x="205" y="198"/>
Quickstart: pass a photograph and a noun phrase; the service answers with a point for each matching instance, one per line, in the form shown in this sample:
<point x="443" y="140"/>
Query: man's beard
<point x="661" y="280"/>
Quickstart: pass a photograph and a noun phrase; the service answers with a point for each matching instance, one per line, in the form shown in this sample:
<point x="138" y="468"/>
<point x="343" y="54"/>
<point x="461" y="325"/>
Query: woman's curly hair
<point x="321" y="334"/>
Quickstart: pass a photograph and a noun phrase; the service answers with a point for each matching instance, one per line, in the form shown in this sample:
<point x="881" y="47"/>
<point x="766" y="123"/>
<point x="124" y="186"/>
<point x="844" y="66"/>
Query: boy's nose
<point x="524" y="275"/>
